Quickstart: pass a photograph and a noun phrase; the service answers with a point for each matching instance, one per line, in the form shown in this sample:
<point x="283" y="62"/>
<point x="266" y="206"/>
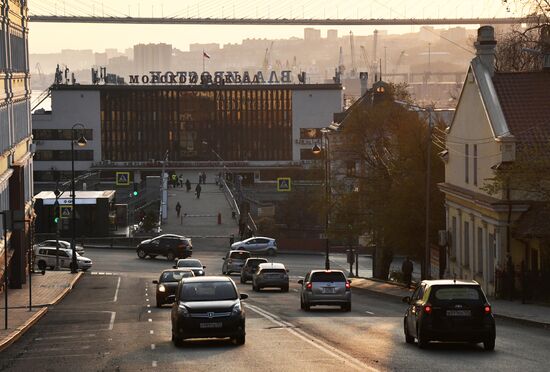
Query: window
<point x="466" y="244"/>
<point x="208" y="291"/>
<point x="350" y="168"/>
<point x="328" y="277"/>
<point x="310" y="133"/>
<point x="64" y="155"/>
<point x="466" y="163"/>
<point x="475" y="165"/>
<point x="59" y="134"/>
<point x="480" y="234"/>
<point x="491" y="259"/>
<point x="454" y="239"/>
<point x="457" y="293"/>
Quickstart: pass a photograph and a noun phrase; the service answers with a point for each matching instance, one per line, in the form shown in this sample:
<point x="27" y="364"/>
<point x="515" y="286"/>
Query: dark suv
<point x="449" y="310"/>
<point x="169" y="245"/>
<point x="249" y="268"/>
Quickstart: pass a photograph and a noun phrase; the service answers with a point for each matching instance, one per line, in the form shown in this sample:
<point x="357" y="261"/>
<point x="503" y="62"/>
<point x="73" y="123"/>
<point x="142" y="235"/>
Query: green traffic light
<point x="56" y="220"/>
<point x="135" y="193"/>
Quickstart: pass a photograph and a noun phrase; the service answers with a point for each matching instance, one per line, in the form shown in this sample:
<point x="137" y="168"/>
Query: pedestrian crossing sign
<point x="65" y="211"/>
<point x="122" y="178"/>
<point x="283" y="184"/>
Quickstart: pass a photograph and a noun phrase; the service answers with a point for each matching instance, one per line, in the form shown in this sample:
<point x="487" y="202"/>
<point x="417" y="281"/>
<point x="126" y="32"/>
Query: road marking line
<point x="154" y="364"/>
<point x="149" y="320"/>
<point x="314" y="341"/>
<point x="151" y="332"/>
<point x="149" y="311"/>
<point x="116" y="291"/>
<point x="148" y="305"/>
<point x="152" y="346"/>
<point x="147" y="299"/>
<point x="63" y="337"/>
<point x="369" y="312"/>
<point x="112" y="322"/>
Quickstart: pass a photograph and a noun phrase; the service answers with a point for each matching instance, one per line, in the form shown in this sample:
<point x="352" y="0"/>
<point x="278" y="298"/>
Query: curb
<point x="527" y="322"/>
<point x="19" y="331"/>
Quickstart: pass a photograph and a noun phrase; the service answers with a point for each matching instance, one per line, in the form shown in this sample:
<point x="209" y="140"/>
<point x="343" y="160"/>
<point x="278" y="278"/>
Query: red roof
<point x="525" y="101"/>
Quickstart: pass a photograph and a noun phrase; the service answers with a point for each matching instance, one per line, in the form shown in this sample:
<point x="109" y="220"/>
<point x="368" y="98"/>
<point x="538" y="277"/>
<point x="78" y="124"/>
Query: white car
<point x="257" y="244"/>
<point x="45" y="257"/>
<point x="62" y="244"/>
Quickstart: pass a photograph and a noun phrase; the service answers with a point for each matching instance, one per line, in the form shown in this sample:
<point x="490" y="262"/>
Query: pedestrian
<point x="181" y="181"/>
<point x="198" y="191"/>
<point x="200" y="178"/>
<point x="407" y="269"/>
<point x="204" y="178"/>
<point x="178" y="209"/>
<point x="188" y="185"/>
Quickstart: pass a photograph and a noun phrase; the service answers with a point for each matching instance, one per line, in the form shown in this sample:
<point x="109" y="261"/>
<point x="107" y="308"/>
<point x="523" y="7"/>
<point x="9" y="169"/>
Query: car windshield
<point x="189" y="263"/>
<point x="456" y="293"/>
<point x="255" y="263"/>
<point x="239" y="255"/>
<point x="208" y="291"/>
<point x="328" y="277"/>
<point x="175" y="276"/>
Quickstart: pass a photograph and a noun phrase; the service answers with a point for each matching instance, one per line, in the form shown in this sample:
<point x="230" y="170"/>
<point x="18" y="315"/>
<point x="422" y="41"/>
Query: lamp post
<point x="317" y="150"/>
<point x="81" y="142"/>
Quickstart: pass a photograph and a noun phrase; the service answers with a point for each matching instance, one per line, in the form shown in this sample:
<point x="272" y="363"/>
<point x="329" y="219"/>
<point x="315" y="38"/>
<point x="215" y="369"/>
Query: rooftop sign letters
<point x="218" y="78"/>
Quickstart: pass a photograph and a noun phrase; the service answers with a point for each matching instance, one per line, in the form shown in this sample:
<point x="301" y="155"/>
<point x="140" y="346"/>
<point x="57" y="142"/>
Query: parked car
<point x="168" y="282"/>
<point x="234" y="261"/>
<point x="249" y="268"/>
<point x="62" y="244"/>
<point x="208" y="307"/>
<point x="46" y="258"/>
<point x="270" y="275"/>
<point x="325" y="287"/>
<point x="193" y="264"/>
<point x="257" y="244"/>
<point x="449" y="310"/>
<point x="169" y="245"/>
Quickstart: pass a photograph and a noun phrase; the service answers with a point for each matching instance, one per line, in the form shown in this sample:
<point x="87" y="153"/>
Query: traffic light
<point x="56" y="212"/>
<point x="136" y="192"/>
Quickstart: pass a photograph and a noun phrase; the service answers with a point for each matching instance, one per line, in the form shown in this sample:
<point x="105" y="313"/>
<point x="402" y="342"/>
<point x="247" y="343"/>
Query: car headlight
<point x="200" y="272"/>
<point x="236" y="309"/>
<point x="162" y="288"/>
<point x="183" y="310"/>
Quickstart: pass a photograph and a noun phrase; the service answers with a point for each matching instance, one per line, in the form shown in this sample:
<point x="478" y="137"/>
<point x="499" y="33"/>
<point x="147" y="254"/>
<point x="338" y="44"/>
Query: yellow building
<point x="495" y="118"/>
<point x="15" y="133"/>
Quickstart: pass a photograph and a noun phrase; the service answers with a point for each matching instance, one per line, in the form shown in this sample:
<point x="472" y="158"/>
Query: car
<point x="234" y="261"/>
<point x="249" y="268"/>
<point x="169" y="245"/>
<point x="325" y="287"/>
<point x="62" y="244"/>
<point x="208" y="307"/>
<point x="168" y="282"/>
<point x="257" y="244"/>
<point x="47" y="258"/>
<point x="193" y="264"/>
<point x="270" y="274"/>
<point x="449" y="310"/>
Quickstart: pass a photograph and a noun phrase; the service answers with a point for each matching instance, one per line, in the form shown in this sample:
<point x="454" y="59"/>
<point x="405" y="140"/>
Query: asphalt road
<point x="109" y="322"/>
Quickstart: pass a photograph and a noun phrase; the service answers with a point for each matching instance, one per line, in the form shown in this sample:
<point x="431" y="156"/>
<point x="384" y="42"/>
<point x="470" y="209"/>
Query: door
<point x="251" y="245"/>
<point x="154" y="246"/>
<point x="261" y="244"/>
<point x="411" y="312"/>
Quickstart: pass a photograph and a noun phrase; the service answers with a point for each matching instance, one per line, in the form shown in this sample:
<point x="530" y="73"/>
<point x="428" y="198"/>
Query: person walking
<point x="204" y="178"/>
<point x="198" y="191"/>
<point x="200" y="178"/>
<point x="181" y="181"/>
<point x="407" y="269"/>
<point x="178" y="209"/>
<point x="188" y="185"/>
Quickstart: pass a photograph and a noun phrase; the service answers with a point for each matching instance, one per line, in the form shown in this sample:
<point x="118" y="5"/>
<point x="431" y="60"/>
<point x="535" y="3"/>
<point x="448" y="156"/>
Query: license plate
<point x="211" y="325"/>
<point x="329" y="290"/>
<point x="459" y="312"/>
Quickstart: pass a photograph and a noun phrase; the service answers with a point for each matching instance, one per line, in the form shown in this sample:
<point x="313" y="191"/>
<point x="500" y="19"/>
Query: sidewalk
<point x="47" y="290"/>
<point x="527" y="313"/>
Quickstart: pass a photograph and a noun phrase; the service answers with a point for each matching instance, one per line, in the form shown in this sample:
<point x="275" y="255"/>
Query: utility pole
<point x="428" y="177"/>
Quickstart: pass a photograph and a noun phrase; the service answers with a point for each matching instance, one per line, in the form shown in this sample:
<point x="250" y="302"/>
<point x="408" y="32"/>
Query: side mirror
<point x="244" y="296"/>
<point x="174" y="267"/>
<point x="301" y="281"/>
<point x="406" y="299"/>
<point x="287" y="270"/>
<point x="204" y="267"/>
<point x="155" y="282"/>
<point x="223" y="258"/>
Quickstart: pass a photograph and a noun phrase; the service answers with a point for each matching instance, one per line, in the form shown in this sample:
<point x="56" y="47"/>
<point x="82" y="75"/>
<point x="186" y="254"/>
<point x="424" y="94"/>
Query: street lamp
<point x="81" y="142"/>
<point x="316" y="150"/>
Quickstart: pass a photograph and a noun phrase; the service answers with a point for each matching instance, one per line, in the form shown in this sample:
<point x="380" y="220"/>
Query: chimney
<point x="545" y="43"/>
<point x="485" y="47"/>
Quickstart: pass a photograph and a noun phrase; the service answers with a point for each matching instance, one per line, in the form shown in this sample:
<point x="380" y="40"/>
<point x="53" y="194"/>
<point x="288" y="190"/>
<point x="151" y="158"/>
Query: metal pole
<point x="428" y="177"/>
<point x="31" y="237"/>
<point x="73" y="212"/>
<point x="327" y="200"/>
<point x="4" y="224"/>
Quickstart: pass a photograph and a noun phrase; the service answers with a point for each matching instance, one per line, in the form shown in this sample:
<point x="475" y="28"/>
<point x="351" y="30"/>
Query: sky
<point x="50" y="38"/>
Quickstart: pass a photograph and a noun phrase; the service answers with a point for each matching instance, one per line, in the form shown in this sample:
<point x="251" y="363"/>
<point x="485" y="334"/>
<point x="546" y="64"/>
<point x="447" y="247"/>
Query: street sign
<point x="122" y="179"/>
<point x="66" y="211"/>
<point x="284" y="184"/>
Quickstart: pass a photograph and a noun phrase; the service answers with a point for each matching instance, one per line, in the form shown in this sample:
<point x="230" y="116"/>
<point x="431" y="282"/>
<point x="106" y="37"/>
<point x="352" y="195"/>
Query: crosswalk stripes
<point x="103" y="273"/>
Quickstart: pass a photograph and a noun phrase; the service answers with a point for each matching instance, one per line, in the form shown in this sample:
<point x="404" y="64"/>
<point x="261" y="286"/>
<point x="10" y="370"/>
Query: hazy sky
<point x="47" y="38"/>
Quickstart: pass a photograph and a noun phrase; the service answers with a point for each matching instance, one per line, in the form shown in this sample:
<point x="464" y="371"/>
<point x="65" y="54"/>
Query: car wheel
<point x="422" y="341"/>
<point x="307" y="306"/>
<point x="302" y="303"/>
<point x="255" y="288"/>
<point x="408" y="338"/>
<point x="285" y="288"/>
<point x="271" y="252"/>
<point x="159" y="304"/>
<point x="170" y="256"/>
<point x="489" y="344"/>
<point x="240" y="339"/>
<point x="178" y="341"/>
<point x="141" y="253"/>
<point x="347" y="307"/>
<point x="153" y="255"/>
<point x="42" y="265"/>
<point x="51" y="267"/>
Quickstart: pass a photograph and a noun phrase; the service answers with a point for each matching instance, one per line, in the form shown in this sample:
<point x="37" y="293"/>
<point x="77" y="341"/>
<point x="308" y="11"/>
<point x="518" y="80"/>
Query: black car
<point x="193" y="264"/>
<point x="208" y="307"/>
<point x="169" y="245"/>
<point x="249" y="267"/>
<point x="168" y="282"/>
<point x="449" y="310"/>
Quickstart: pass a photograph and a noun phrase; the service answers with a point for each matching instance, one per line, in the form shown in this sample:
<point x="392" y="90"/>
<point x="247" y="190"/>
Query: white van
<point x="45" y="257"/>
